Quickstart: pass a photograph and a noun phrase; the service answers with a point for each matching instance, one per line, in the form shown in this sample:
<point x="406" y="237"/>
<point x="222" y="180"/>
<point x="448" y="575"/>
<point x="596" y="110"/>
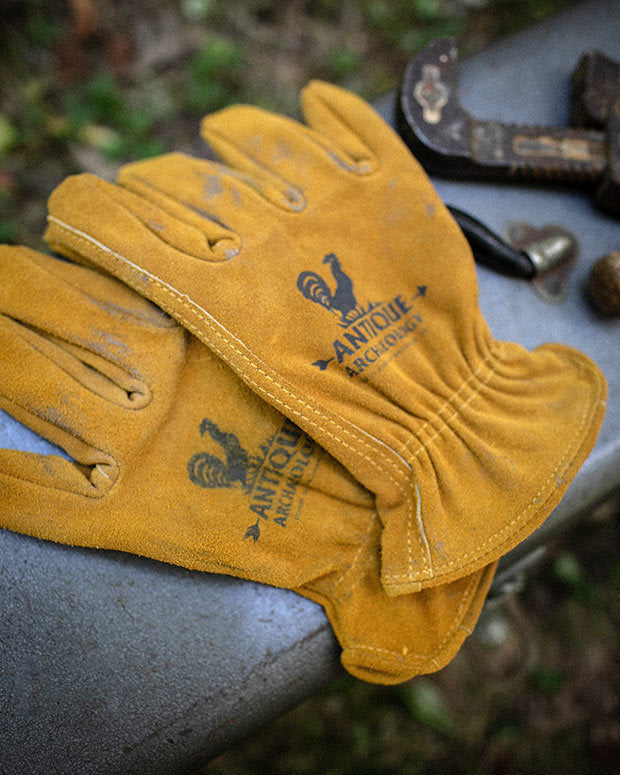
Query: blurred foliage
<point x="90" y="85"/>
<point x="215" y="75"/>
<point x="408" y="26"/>
<point x="343" y="61"/>
<point x="98" y="112"/>
<point x="427" y="706"/>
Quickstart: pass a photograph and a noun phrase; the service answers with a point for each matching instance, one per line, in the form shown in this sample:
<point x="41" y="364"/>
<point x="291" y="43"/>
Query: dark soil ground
<point x="89" y="84"/>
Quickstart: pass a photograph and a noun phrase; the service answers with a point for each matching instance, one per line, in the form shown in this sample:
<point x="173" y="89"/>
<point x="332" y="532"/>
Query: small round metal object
<point x="549" y="251"/>
<point x="604" y="284"/>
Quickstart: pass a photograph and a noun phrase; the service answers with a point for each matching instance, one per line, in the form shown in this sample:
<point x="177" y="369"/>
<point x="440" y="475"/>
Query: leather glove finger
<point x="357" y="317"/>
<point x="196" y="470"/>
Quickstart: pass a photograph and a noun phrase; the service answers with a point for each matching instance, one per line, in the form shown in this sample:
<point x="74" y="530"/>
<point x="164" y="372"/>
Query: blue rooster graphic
<point x="342" y="301"/>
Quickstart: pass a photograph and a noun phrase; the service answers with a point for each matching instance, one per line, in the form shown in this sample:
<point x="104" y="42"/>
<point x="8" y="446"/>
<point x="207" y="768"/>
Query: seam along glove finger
<point x="174" y="458"/>
<point x="351" y="306"/>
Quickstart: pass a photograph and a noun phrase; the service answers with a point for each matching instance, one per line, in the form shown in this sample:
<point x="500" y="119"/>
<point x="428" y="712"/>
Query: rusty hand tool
<point x="448" y="141"/>
<point x="595" y="86"/>
<point x="604" y="284"/>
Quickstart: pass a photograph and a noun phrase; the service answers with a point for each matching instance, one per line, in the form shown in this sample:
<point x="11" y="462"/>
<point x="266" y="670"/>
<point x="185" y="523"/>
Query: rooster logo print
<point x="342" y="301"/>
<point x="372" y="330"/>
<point x="209" y="471"/>
<point x="238" y="469"/>
<point x="271" y="477"/>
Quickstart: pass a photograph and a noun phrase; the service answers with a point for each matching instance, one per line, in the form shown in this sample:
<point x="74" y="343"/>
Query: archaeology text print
<point x="374" y="333"/>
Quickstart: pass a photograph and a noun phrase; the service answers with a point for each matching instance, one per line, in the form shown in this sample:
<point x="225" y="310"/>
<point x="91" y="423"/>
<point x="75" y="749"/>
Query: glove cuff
<point x="491" y="460"/>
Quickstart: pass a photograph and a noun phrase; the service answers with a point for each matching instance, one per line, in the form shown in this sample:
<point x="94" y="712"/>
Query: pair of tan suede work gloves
<point x="275" y="367"/>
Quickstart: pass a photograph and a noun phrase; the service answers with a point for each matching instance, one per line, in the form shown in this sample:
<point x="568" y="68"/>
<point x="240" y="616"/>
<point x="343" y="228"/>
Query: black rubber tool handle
<point x="490" y="249"/>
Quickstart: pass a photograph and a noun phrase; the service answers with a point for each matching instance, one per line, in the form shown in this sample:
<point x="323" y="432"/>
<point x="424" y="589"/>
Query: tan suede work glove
<point x="174" y="458"/>
<point x="324" y="269"/>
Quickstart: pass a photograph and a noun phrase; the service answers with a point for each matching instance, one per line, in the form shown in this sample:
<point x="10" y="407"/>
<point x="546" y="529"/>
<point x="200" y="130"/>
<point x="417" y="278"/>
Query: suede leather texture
<point x="319" y="263"/>
<point x="174" y="458"/>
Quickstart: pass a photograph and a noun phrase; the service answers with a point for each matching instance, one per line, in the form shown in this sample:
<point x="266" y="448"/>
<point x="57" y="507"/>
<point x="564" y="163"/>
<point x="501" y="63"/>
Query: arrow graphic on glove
<point x="364" y="331"/>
